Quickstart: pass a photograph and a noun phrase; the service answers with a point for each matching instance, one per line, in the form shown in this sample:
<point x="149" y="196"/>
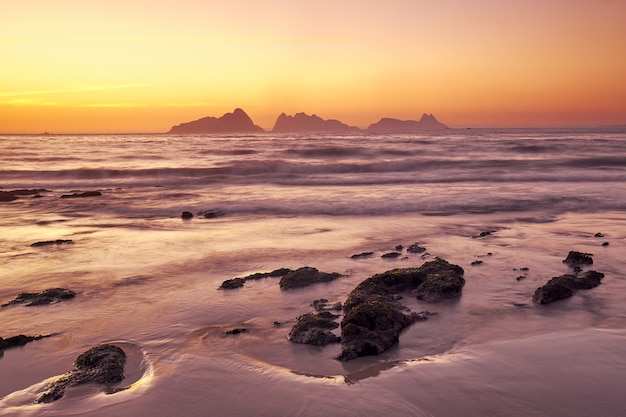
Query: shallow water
<point x="148" y="280"/>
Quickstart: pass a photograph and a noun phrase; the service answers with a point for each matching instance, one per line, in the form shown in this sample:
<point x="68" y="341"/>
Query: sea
<point x="507" y="205"/>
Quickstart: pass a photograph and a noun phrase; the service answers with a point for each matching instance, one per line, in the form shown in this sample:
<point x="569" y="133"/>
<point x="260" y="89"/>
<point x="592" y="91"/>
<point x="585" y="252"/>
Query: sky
<point x="89" y="66"/>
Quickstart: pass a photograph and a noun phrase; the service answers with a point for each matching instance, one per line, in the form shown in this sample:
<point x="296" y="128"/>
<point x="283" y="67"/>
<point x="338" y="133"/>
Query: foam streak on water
<point x="148" y="280"/>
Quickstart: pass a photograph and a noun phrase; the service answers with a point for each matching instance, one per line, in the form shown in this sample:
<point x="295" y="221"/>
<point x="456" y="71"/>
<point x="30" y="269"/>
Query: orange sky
<point x="145" y="65"/>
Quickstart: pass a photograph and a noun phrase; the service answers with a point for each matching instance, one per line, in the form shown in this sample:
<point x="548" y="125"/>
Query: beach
<point x="505" y="205"/>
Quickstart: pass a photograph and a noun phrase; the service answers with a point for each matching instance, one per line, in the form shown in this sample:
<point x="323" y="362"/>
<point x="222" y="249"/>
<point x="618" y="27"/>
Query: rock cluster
<point x="48" y="296"/>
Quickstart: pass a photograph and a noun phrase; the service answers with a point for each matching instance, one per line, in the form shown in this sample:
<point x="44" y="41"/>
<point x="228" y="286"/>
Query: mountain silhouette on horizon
<point x="236" y="122"/>
<point x="302" y="122"/>
<point x="428" y="122"/>
<point x="239" y="122"/>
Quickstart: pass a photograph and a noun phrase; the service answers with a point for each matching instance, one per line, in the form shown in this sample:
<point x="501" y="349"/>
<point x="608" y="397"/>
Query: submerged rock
<point x="186" y="215"/>
<point x="362" y="255"/>
<point x="49" y="296"/>
<point x="415" y="248"/>
<point x="102" y="364"/>
<point x="52" y="242"/>
<point x="373" y="318"/>
<point x="305" y="276"/>
<point x="564" y="286"/>
<point x="19" y="340"/>
<point x="14" y="194"/>
<point x="83" y="195"/>
<point x="391" y="255"/>
<point x="314" y="329"/>
<point x="230" y="284"/>
<point x="575" y="259"/>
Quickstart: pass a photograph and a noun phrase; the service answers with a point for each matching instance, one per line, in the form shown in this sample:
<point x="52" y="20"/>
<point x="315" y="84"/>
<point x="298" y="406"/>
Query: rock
<point x="478" y="262"/>
<point x="48" y="296"/>
<point x="83" y="195"/>
<point x="323" y="304"/>
<point x="236" y="122"/>
<point x="238" y="282"/>
<point x="373" y="318"/>
<point x="520" y="277"/>
<point x="486" y="233"/>
<point x="52" y="242"/>
<point x="415" y="248"/>
<point x="235" y="331"/>
<point x="102" y="364"/>
<point x="14" y="194"/>
<point x="598" y="235"/>
<point x="231" y="284"/>
<point x="605" y="244"/>
<point x="391" y="255"/>
<point x="212" y="214"/>
<point x="574" y="259"/>
<point x="443" y="281"/>
<point x="186" y="215"/>
<point x="564" y="286"/>
<point x="305" y="276"/>
<point x="19" y="340"/>
<point x="362" y="255"/>
<point x="314" y="329"/>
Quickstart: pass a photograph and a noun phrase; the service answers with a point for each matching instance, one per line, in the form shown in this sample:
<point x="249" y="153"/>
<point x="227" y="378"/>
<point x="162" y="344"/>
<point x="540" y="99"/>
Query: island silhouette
<point x="239" y="122"/>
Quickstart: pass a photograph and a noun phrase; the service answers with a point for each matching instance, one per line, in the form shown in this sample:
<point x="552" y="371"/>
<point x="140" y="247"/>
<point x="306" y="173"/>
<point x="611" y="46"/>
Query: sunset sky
<point x="145" y="65"/>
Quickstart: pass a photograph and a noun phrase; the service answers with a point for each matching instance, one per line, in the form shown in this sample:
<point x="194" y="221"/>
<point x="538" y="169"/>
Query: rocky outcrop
<point x="373" y="318"/>
<point x="19" y="340"/>
<point x="236" y="122"/>
<point x="83" y="194"/>
<point x="15" y="194"/>
<point x="565" y="286"/>
<point x="427" y="122"/>
<point x="305" y="276"/>
<point x="233" y="283"/>
<point x="302" y="122"/>
<point x="315" y="329"/>
<point x="49" y="296"/>
<point x="52" y="243"/>
<point x="102" y="364"/>
<point x="575" y="259"/>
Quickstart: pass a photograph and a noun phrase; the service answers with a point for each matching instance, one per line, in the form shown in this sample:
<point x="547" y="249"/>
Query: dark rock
<point x="314" y="329"/>
<point x="486" y="233"/>
<point x="48" y="296"/>
<point x="14" y="194"/>
<point x="391" y="255"/>
<point x="478" y="262"/>
<point x="399" y="248"/>
<point x="186" y="215"/>
<point x="19" y="340"/>
<point x="236" y="331"/>
<point x="83" y="195"/>
<point x="212" y="214"/>
<point x="230" y="284"/>
<point x="605" y="244"/>
<point x="564" y="286"/>
<point x="323" y="304"/>
<point x="102" y="364"/>
<point x="236" y="122"/>
<point x="578" y="259"/>
<point x="415" y="248"/>
<point x="305" y="276"/>
<point x="238" y="282"/>
<point x="521" y="277"/>
<point x="52" y="242"/>
<point x="442" y="281"/>
<point x="363" y="255"/>
<point x="373" y="318"/>
<point x="598" y="235"/>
